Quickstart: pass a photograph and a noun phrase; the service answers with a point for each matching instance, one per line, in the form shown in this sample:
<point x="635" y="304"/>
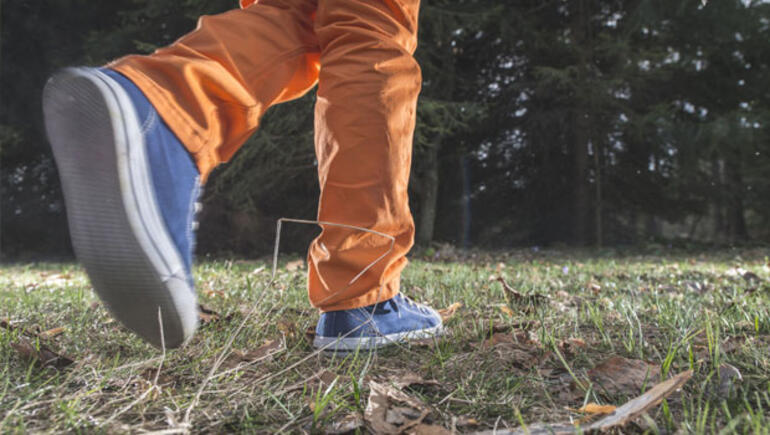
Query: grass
<point x="677" y="311"/>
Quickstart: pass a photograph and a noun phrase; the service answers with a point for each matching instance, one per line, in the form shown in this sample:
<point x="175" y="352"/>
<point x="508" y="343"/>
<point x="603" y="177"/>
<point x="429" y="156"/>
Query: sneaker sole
<point x="116" y="228"/>
<point x="348" y="344"/>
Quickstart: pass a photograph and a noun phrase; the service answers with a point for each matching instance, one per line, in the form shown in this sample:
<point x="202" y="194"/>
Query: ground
<point x="539" y="335"/>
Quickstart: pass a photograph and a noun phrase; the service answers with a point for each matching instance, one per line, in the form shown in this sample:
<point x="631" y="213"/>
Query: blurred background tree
<point x="540" y="122"/>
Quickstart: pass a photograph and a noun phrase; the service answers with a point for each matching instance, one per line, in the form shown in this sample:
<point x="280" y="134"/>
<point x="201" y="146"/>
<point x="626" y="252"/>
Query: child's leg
<point x="365" y="116"/>
<point x="124" y="152"/>
<point x="213" y="85"/>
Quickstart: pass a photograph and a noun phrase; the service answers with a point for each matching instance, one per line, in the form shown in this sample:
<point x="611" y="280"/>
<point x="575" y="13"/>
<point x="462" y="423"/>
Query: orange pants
<point x="213" y="85"/>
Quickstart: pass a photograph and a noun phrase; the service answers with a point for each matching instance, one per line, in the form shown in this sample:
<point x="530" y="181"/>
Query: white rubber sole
<point x="117" y="230"/>
<point x="348" y="344"/>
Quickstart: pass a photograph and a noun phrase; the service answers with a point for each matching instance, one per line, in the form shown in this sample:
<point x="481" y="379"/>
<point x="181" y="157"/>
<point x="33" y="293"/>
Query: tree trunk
<point x="465" y="203"/>
<point x="735" y="217"/>
<point x="598" y="228"/>
<point x="581" y="194"/>
<point x="429" y="198"/>
<point x="718" y="204"/>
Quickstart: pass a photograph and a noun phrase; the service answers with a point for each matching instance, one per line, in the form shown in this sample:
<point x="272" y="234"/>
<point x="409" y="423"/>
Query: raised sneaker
<point x="130" y="190"/>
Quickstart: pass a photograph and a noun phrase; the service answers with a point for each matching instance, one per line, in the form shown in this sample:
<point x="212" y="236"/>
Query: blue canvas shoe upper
<point x="175" y="176"/>
<point x="396" y="319"/>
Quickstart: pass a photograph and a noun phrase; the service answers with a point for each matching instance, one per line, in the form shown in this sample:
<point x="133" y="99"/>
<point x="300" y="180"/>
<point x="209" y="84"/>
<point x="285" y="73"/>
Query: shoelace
<point x="414" y="304"/>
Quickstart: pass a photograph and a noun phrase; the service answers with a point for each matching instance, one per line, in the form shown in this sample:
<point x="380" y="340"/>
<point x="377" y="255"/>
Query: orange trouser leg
<point x="365" y="116"/>
<point x="213" y="85"/>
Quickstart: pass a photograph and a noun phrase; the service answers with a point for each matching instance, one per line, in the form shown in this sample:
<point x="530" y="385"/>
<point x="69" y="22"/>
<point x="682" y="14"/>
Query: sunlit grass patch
<point x="579" y="319"/>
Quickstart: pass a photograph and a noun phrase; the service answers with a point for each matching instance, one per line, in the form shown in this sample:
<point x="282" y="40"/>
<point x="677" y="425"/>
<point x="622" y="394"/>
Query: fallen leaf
<point x="215" y="293"/>
<point x="628" y="412"/>
<point x="729" y="375"/>
<point x="595" y="408"/>
<point x="41" y="354"/>
<point x="428" y="429"/>
<point x="164" y="379"/>
<point x="295" y="265"/>
<point x="391" y="411"/>
<point x="520" y="338"/>
<point x="525" y="325"/>
<point x="466" y="421"/>
<point x="206" y="315"/>
<point x="287" y="328"/>
<point x="269" y="348"/>
<point x="569" y="346"/>
<point x="449" y="311"/>
<point x="507" y="310"/>
<point x="310" y="334"/>
<point x="53" y="332"/>
<point x="751" y="276"/>
<point x="619" y="375"/>
<point x="513" y="297"/>
<point x="347" y="424"/>
<point x="735" y="272"/>
<point x="57" y="279"/>
<point x="6" y="324"/>
<point x="408" y="379"/>
<point x="519" y="349"/>
<point x="639" y="405"/>
<point x="729" y="345"/>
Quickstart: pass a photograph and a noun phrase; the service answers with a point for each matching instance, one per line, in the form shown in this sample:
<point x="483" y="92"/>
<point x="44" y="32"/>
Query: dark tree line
<point x="569" y="121"/>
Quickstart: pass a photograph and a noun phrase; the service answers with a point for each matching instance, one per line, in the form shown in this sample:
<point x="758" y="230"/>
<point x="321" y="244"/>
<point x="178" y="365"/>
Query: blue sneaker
<point x="130" y="189"/>
<point x="396" y="320"/>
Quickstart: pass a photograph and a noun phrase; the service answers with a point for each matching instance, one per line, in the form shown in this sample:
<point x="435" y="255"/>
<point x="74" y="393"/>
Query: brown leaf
<point x="449" y="311"/>
<point x="41" y="355"/>
<point x="408" y="379"/>
<point x="390" y="411"/>
<point x="6" y="324"/>
<point x="520" y="338"/>
<point x="287" y="328"/>
<point x="507" y="310"/>
<point x="619" y="375"/>
<point x="466" y="421"/>
<point x="519" y="349"/>
<point x="349" y="423"/>
<point x="206" y="315"/>
<point x="53" y="332"/>
<point x="264" y="352"/>
<point x="428" y="429"/>
<point x="636" y="407"/>
<point x="729" y="375"/>
<point x="269" y="348"/>
<point x="215" y="293"/>
<point x="310" y="334"/>
<point x="622" y="415"/>
<point x="525" y="325"/>
<point x="569" y="346"/>
<point x="164" y="379"/>
<point x="295" y="265"/>
<point x="595" y="408"/>
<point x="513" y="297"/>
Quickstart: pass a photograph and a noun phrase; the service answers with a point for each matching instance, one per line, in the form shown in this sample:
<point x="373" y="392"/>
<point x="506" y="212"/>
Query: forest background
<point x="540" y="123"/>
